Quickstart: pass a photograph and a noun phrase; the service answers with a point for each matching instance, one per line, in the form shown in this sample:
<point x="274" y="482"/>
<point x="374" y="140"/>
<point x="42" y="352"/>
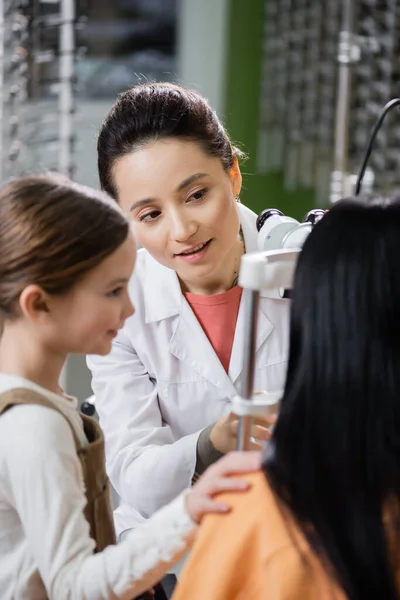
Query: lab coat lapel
<point x="190" y="344"/>
<point x="264" y="328"/>
<point x="162" y="293"/>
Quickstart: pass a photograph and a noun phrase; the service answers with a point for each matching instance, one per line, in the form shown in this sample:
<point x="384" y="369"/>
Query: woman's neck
<point x="22" y="354"/>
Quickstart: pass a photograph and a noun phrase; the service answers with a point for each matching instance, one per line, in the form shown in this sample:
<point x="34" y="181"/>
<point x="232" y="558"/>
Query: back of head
<point x="52" y="232"/>
<point x="334" y="457"/>
<point x="155" y="111"/>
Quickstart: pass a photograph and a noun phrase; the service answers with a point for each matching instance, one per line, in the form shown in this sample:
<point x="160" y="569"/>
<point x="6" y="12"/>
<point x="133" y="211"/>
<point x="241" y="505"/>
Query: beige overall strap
<point x="28" y="396"/>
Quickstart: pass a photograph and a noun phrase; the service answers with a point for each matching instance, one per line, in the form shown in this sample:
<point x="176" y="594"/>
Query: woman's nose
<point x="182" y="228"/>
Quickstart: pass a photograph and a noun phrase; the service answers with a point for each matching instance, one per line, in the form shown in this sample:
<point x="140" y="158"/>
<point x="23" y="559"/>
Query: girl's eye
<point x="115" y="293"/>
<point x="198" y="195"/>
<point x="150" y="216"/>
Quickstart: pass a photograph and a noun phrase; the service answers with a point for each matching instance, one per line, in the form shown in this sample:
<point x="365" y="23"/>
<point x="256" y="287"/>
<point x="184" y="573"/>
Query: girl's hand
<point x="200" y="499"/>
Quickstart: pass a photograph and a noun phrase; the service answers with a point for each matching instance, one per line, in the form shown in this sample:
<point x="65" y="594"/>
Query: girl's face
<point x="182" y="203"/>
<point x="88" y="317"/>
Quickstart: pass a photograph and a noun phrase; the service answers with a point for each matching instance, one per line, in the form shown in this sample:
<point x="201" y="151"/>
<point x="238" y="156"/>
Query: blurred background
<point x="299" y="85"/>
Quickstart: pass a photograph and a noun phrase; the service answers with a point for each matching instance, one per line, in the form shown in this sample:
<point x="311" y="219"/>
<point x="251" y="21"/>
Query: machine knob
<point x="88" y="409"/>
<point x="266" y="214"/>
<point x="313" y="216"/>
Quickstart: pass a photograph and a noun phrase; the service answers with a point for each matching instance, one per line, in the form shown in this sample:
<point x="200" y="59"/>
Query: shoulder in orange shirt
<point x="255" y="552"/>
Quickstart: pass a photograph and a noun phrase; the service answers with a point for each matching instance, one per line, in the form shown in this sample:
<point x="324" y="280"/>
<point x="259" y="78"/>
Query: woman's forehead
<point x="163" y="166"/>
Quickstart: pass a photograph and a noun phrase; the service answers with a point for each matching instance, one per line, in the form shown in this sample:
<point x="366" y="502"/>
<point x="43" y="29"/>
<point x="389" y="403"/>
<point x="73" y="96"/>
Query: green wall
<point x="242" y="93"/>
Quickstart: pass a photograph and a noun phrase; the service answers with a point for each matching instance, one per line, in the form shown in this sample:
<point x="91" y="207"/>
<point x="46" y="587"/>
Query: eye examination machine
<point x="280" y="240"/>
<point x="272" y="268"/>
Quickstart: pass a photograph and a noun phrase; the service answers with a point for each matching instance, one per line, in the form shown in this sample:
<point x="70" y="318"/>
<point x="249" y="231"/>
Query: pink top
<point x="218" y="315"/>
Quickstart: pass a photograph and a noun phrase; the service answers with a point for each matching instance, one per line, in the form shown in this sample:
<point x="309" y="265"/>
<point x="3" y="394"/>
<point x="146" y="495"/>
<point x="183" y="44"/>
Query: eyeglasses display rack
<point x="38" y="51"/>
<point x="327" y="70"/>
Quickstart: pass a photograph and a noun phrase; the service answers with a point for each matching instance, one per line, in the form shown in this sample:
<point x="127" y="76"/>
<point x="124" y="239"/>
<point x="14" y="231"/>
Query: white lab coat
<point x="162" y="384"/>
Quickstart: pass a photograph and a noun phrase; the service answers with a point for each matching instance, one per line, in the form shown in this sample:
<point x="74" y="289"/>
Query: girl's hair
<point x="155" y="111"/>
<point x="334" y="457"/>
<point x="52" y="232"/>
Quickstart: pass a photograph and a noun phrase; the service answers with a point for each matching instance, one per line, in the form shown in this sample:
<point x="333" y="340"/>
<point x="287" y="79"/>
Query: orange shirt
<point x="218" y="315"/>
<point x="252" y="553"/>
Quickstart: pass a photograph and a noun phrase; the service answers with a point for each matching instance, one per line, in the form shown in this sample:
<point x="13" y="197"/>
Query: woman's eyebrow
<point x="141" y="203"/>
<point x="190" y="180"/>
<point x="181" y="186"/>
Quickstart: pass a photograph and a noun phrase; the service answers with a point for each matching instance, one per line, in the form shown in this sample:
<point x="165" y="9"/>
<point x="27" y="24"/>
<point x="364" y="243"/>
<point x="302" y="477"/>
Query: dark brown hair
<point x="52" y="232"/>
<point x="154" y="111"/>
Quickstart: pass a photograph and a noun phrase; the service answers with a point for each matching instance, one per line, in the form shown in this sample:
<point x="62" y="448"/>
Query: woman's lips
<point x="196" y="256"/>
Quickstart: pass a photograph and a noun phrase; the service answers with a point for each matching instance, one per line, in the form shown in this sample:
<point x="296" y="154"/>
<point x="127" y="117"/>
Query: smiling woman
<point x="189" y="220"/>
<point x="163" y="393"/>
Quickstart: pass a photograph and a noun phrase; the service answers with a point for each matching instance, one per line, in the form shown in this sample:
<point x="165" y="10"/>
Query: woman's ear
<point x="34" y="303"/>
<point x="235" y="177"/>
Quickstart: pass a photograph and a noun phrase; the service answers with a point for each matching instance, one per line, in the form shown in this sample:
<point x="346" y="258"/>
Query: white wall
<point x="76" y="376"/>
<point x="202" y="33"/>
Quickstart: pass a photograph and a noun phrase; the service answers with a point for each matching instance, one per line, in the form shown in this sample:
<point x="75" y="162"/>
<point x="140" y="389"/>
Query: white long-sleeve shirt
<point x="45" y="546"/>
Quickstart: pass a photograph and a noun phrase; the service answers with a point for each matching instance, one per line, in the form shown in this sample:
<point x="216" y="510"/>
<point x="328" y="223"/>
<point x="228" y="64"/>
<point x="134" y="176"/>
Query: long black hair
<point x="334" y="457"/>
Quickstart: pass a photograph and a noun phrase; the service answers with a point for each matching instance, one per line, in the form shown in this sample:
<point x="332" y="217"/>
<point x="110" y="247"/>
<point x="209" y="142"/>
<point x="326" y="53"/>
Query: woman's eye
<point x="150" y="216"/>
<point x="198" y="195"/>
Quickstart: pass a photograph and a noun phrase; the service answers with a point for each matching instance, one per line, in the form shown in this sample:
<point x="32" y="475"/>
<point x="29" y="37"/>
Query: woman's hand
<point x="199" y="500"/>
<point x="224" y="433"/>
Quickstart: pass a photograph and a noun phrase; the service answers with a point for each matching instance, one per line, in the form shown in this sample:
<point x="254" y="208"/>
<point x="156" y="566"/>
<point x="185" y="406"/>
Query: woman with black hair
<point x="322" y="518"/>
<point x="163" y="394"/>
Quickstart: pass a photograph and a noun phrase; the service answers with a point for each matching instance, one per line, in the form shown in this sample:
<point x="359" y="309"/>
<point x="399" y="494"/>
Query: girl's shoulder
<point x="34" y="428"/>
<point x="36" y="445"/>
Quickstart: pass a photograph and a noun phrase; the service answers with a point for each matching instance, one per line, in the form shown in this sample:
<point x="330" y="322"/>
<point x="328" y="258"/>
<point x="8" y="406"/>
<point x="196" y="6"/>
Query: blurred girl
<point x="66" y="255"/>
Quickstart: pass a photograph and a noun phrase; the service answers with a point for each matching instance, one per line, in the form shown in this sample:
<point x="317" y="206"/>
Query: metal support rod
<point x="250" y="334"/>
<point x="348" y="53"/>
<point x="35" y="41"/>
<point x="67" y="58"/>
<point x="67" y="48"/>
